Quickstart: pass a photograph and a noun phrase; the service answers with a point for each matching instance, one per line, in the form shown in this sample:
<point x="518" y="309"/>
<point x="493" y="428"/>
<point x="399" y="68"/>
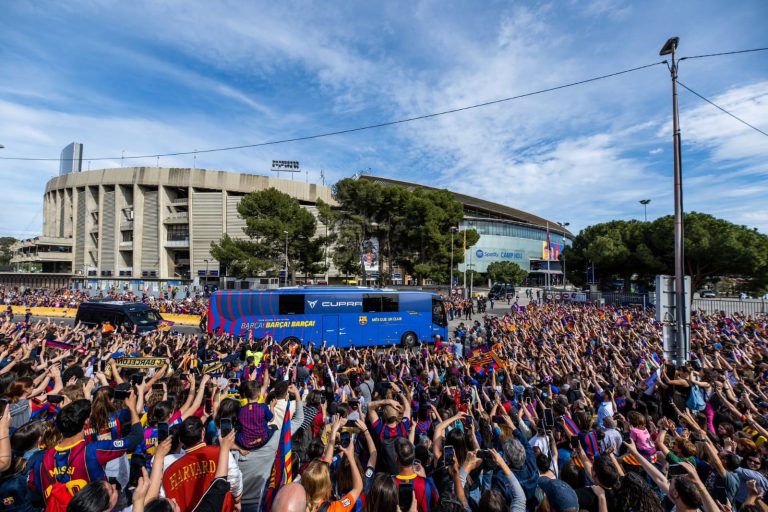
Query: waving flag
<point x="282" y="472"/>
<point x="165" y="325"/>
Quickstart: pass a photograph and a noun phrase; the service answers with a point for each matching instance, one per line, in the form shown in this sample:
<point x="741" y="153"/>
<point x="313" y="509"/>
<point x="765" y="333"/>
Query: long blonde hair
<point x="316" y="479"/>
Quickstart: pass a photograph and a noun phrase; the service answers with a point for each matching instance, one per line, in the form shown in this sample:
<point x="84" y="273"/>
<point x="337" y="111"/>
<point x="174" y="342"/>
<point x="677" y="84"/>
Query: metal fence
<point x="708" y="306"/>
<point x="731" y="306"/>
<point x="624" y="299"/>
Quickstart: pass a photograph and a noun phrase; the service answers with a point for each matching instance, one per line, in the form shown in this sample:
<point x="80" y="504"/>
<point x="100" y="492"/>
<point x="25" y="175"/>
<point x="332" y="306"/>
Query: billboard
<point x="370" y="254"/>
<point x="553" y="254"/>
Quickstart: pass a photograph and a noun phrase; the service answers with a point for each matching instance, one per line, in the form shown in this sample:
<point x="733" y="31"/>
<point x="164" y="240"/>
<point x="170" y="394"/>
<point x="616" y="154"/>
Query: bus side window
<point x="372" y="304"/>
<point x="390" y="303"/>
<point x="291" y="304"/>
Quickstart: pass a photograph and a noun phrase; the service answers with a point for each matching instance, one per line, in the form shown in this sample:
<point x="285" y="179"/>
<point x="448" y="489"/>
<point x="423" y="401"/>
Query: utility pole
<point x="286" y="259"/>
<point x="450" y="286"/>
<point x="681" y="331"/>
<point x="465" y="265"/>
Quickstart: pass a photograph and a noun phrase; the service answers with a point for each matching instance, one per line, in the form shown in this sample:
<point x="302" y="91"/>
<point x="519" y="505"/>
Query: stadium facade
<point x="152" y="227"/>
<point x="506" y="234"/>
<point x="127" y="226"/>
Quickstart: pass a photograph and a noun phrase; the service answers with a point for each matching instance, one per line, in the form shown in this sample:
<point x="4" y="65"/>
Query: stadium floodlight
<point x="291" y="166"/>
<point x="670" y="46"/>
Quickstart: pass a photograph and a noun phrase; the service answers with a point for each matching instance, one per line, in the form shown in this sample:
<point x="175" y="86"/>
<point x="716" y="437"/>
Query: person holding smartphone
<point x="316" y="480"/>
<point x="424" y="488"/>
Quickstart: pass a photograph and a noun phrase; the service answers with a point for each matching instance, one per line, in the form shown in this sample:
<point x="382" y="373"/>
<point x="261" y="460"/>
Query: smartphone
<point x="449" y="455"/>
<point x="137" y="379"/>
<point x="208" y="406"/>
<point x="346" y="438"/>
<point x="138" y="461"/>
<point x="157" y="387"/>
<point x="351" y="424"/>
<point x="225" y="427"/>
<point x="55" y="399"/>
<point x="484" y="455"/>
<point x="102" y="365"/>
<point x="234" y="382"/>
<point x="405" y="495"/>
<point x="499" y="420"/>
<point x="122" y="394"/>
<point x="677" y="470"/>
<point x="354" y="403"/>
<point x="3" y="405"/>
<point x="575" y="443"/>
<point x="162" y="431"/>
<point x="549" y="418"/>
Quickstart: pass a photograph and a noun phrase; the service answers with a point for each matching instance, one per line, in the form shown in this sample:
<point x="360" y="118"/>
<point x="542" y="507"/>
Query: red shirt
<point x="187" y="479"/>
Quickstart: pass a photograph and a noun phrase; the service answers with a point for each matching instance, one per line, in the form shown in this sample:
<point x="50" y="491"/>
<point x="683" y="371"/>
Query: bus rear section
<point x="341" y="317"/>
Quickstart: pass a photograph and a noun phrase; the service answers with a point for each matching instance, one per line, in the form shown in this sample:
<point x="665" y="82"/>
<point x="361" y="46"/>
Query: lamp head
<point x="645" y="201"/>
<point x="670" y="46"/>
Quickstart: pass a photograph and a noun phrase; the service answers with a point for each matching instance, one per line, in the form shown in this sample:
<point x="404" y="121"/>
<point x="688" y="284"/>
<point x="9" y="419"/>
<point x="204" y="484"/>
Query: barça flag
<point x="282" y="469"/>
<point x="165" y="325"/>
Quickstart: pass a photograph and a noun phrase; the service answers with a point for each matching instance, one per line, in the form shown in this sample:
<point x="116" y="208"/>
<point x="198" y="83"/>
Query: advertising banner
<point x="370" y="254"/>
<point x="552" y="250"/>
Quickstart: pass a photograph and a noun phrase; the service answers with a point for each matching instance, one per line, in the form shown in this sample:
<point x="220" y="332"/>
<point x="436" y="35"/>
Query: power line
<point x="723" y="53"/>
<point x="361" y="128"/>
<point x="722" y="109"/>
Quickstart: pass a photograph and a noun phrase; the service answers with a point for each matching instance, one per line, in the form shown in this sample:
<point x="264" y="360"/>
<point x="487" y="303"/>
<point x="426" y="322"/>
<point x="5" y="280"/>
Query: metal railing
<point x="731" y="306"/>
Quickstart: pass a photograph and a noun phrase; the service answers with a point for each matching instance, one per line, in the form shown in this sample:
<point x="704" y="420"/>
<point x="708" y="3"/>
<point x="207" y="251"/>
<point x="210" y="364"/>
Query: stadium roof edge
<point x="506" y="212"/>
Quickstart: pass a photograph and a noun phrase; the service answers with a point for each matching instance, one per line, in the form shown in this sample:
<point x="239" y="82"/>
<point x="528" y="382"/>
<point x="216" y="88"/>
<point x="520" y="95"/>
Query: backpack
<point x="696" y="401"/>
<point x="387" y="457"/>
<point x="59" y="499"/>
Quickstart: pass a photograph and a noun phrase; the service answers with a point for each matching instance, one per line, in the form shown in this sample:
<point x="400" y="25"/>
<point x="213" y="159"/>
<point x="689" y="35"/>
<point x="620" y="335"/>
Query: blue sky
<point x="156" y="76"/>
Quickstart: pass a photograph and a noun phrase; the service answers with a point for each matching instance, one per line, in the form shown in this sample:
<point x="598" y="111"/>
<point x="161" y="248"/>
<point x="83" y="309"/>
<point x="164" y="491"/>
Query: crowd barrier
<point x="20" y="311"/>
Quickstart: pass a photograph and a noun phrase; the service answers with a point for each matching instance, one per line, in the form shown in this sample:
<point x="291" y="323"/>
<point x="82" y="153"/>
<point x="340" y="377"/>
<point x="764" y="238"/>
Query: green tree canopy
<point x="5" y="250"/>
<point x="714" y="248"/>
<point x="413" y="226"/>
<point x="506" y="272"/>
<point x="271" y="217"/>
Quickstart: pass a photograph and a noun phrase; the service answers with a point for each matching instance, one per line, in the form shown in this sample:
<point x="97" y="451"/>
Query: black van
<point x="499" y="291"/>
<point x="118" y="313"/>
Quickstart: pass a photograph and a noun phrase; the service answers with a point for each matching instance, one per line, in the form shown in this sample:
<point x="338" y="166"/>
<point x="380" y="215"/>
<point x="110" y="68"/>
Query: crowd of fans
<point x="173" y="300"/>
<point x="543" y="408"/>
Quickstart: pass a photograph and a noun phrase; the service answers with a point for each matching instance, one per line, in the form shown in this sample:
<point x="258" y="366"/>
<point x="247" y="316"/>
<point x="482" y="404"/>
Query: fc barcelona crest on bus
<point x="363" y="320"/>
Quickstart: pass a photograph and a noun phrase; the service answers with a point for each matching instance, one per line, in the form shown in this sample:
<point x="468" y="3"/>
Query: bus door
<point x="330" y="330"/>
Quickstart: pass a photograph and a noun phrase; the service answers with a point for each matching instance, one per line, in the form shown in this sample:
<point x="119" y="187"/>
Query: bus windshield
<point x="438" y="313"/>
<point x="145" y="317"/>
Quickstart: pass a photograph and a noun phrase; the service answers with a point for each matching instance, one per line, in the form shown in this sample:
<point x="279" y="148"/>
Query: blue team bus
<point x="339" y="316"/>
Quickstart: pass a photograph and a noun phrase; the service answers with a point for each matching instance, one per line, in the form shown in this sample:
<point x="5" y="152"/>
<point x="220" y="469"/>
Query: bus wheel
<point x="291" y="339"/>
<point x="408" y="340"/>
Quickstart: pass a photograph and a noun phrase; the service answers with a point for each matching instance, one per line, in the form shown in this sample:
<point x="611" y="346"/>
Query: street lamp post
<point x="681" y="334"/>
<point x="645" y="202"/>
<point x="454" y="229"/>
<point x="565" y="225"/>
<point x="286" y="259"/>
<point x="465" y="265"/>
